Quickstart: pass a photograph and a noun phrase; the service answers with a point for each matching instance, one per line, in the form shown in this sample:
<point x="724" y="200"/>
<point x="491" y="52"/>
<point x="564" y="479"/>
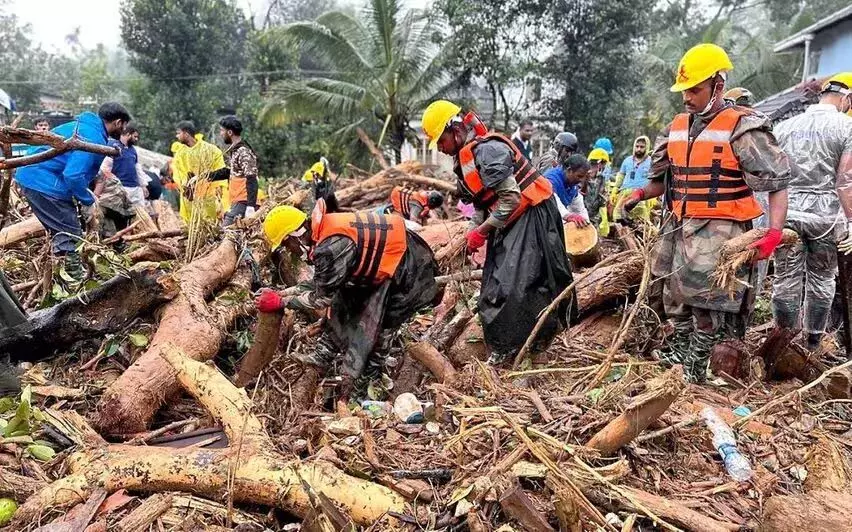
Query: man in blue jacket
<point x="52" y="187"/>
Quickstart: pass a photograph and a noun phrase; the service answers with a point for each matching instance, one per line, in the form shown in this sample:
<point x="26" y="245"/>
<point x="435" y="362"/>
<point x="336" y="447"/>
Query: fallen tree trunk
<point x="167" y="218"/>
<point x="130" y="402"/>
<point x="671" y="511"/>
<point x="609" y="283"/>
<point x="249" y="470"/>
<point x="21" y="231"/>
<point x="640" y="413"/>
<point x="378" y="187"/>
<point x="817" y="511"/>
<point x="106" y="309"/>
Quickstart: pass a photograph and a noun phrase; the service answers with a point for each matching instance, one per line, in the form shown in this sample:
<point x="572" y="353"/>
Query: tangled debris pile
<point x="590" y="435"/>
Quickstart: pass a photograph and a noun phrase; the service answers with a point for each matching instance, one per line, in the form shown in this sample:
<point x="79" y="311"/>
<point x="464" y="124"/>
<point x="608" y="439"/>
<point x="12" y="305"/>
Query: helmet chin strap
<point x="717" y="90"/>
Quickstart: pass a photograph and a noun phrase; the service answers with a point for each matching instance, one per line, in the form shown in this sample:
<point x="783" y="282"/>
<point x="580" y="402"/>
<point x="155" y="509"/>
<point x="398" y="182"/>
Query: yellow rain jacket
<point x="200" y="160"/>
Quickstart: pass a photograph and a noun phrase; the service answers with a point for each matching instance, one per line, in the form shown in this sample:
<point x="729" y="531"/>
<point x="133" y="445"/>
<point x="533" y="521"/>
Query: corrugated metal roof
<point x="808" y="33"/>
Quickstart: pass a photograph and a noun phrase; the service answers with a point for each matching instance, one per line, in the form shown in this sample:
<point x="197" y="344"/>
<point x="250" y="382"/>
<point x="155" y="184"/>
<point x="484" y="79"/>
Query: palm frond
<point x="291" y="100"/>
<point x="330" y="47"/>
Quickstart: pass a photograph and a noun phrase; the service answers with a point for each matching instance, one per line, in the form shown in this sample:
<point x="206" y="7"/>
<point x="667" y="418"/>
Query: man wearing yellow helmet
<point x="526" y="266"/>
<point x="819" y="142"/>
<point x="369" y="272"/>
<point x="714" y="157"/>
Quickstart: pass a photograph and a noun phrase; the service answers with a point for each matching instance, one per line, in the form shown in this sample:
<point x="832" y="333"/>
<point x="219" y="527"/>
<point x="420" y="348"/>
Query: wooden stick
<point x="561" y="297"/>
<point x="154" y="234"/>
<point x="117" y="236"/>
<point x="374" y="151"/>
<point x="435" y="362"/>
<point x="743" y="420"/>
<point x="148" y="512"/>
<point x="473" y="275"/>
<point x="671" y="428"/>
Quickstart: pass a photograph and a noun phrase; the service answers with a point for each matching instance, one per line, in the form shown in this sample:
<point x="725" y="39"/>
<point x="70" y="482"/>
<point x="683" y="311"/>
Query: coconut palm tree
<point x="379" y="69"/>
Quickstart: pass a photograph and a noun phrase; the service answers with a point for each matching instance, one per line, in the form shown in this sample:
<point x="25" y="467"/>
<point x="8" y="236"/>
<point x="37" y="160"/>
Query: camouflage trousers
<point x="703" y="315"/>
<point x="808" y="267"/>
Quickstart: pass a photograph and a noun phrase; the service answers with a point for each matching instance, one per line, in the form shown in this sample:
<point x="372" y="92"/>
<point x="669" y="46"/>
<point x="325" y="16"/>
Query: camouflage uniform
<point x="687" y="253"/>
<point x="362" y="317"/>
<point x="595" y="197"/>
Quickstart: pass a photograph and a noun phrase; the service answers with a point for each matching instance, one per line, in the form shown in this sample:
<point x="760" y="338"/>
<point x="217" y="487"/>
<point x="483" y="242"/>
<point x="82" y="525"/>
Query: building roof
<point x="808" y="33"/>
<point x="790" y="102"/>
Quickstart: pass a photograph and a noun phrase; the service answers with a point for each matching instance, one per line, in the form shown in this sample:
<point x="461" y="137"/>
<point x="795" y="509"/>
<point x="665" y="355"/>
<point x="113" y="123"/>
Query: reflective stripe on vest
<point x="534" y="187"/>
<point x="707" y="178"/>
<point x="401" y="200"/>
<point x="380" y="242"/>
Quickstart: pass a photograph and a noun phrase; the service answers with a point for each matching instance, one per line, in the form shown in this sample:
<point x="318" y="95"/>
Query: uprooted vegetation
<point x="135" y="402"/>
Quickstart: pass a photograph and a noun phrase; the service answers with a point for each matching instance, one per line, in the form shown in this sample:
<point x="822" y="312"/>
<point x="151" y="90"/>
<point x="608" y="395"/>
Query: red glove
<point x="766" y="245"/>
<point x="476" y="239"/>
<point x="268" y="301"/>
<point x="633" y="199"/>
<point x="578" y="220"/>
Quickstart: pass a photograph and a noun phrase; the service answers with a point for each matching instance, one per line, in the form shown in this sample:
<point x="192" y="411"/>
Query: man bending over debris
<point x="719" y="155"/>
<point x="53" y="187"/>
<point x="413" y="205"/>
<point x="819" y="142"/>
<point x="369" y="271"/>
<point x="526" y="266"/>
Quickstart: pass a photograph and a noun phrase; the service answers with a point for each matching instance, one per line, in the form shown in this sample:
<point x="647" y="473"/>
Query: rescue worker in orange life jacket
<point x="369" y="271"/>
<point x="717" y="155"/>
<point x="413" y="205"/>
<point x="526" y="267"/>
<point x="240" y="170"/>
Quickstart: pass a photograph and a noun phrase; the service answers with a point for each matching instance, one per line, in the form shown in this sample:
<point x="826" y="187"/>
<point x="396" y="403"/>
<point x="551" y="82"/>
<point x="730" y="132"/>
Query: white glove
<point x="249" y="212"/>
<point x="845" y="245"/>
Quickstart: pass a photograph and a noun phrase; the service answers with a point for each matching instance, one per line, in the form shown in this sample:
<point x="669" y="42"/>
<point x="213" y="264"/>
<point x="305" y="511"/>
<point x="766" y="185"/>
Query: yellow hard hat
<point x="700" y="63"/>
<point x="436" y="117"/>
<point x="843" y="78"/>
<point x="598" y="154"/>
<point x="318" y="168"/>
<point x="281" y="222"/>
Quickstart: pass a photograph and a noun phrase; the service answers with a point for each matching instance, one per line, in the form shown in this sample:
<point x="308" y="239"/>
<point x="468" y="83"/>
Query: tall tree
<point x="594" y="68"/>
<point x="379" y="70"/>
<point x="497" y="40"/>
<point x="192" y="53"/>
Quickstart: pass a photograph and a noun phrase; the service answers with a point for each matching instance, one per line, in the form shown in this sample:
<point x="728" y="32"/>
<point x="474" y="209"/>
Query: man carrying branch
<point x="53" y="187"/>
<point x="716" y="155"/>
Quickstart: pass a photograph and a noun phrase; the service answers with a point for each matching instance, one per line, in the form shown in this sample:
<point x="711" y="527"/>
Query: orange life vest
<point x="402" y="198"/>
<point x="708" y="179"/>
<point x="535" y="188"/>
<point x="380" y="241"/>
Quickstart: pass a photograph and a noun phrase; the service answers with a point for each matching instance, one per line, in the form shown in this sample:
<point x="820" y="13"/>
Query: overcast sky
<point x="98" y="20"/>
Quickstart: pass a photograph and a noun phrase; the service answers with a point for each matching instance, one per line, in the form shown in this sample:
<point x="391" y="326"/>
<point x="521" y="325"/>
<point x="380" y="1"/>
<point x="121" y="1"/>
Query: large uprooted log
<point x="818" y="511"/>
<point x="609" y="283"/>
<point x="249" y="470"/>
<point x="128" y="405"/>
<point x="106" y="309"/>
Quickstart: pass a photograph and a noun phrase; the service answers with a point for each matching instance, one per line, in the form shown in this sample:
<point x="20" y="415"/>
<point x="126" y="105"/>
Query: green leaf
<point x="595" y="395"/>
<point x="3" y="424"/>
<point x="139" y="340"/>
<point x="6" y="404"/>
<point x="66" y="277"/>
<point x="25" y="405"/>
<point x="41" y="452"/>
<point x="8" y="507"/>
<point x="112" y="347"/>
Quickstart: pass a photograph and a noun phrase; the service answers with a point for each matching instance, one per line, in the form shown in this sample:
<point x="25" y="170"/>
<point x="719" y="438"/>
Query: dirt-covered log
<point x="266" y="339"/>
<point x="640" y="413"/>
<point x="24" y="230"/>
<point x="106" y="309"/>
<point x="378" y="187"/>
<point x="426" y="354"/>
<point x="609" y="283"/>
<point x="128" y="405"/>
<point x="249" y="469"/>
<point x="818" y="511"/>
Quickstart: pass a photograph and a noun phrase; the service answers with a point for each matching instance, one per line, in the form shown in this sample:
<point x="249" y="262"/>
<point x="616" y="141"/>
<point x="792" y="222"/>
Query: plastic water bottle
<point x="736" y="464"/>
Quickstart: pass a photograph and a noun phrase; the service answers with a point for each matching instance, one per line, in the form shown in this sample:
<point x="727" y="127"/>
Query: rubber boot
<point x="701" y="343"/>
<point x="73" y="266"/>
<point x="676" y="347"/>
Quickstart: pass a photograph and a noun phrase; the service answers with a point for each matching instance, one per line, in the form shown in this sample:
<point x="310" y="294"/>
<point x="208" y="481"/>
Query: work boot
<point x="698" y="357"/>
<point x="322" y="356"/>
<point x="73" y="266"/>
<point x="676" y="347"/>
